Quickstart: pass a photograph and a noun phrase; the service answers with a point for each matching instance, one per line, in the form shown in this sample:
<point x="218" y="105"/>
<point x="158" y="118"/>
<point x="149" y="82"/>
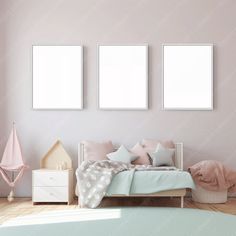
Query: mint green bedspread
<point x="144" y="182"/>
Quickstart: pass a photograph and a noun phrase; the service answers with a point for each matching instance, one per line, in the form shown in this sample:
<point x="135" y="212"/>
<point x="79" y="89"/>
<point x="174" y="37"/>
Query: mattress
<point x="147" y="182"/>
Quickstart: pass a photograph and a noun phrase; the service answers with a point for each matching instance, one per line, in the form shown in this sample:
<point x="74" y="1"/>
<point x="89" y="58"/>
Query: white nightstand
<point x="52" y="185"/>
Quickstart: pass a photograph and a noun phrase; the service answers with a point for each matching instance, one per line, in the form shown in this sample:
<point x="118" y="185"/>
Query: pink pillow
<point x="97" y="151"/>
<point x="150" y="145"/>
<point x="143" y="156"/>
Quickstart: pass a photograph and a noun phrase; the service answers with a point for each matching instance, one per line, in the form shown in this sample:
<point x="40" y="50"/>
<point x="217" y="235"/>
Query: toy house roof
<point x="56" y="155"/>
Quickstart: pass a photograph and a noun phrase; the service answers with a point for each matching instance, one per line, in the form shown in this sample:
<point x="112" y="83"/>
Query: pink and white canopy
<point x="12" y="160"/>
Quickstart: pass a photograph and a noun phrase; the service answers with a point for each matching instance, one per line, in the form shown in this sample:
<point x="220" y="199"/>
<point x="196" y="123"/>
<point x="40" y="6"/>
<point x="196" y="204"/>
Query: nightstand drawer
<point x="50" y="178"/>
<point x="50" y="194"/>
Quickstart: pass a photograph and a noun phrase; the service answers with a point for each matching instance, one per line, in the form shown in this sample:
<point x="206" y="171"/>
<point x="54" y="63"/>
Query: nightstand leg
<point x="182" y="202"/>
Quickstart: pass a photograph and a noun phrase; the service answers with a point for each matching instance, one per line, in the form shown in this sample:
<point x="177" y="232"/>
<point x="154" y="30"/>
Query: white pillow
<point x="122" y="154"/>
<point x="162" y="156"/>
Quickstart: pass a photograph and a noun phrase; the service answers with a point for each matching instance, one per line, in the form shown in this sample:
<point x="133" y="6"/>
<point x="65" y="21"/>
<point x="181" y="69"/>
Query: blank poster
<point x="123" y="77"/>
<point x="57" y="77"/>
<point x="188" y="77"/>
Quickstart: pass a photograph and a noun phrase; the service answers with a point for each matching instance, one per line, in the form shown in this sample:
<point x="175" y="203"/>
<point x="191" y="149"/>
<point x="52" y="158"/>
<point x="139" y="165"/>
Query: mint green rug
<point x="130" y="221"/>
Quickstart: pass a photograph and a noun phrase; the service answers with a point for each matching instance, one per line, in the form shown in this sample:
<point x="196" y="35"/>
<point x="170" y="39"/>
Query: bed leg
<point x="182" y="202"/>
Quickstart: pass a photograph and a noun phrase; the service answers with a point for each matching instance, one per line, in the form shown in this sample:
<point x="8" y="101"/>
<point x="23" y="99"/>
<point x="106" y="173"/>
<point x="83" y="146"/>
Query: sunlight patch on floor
<point x="64" y="216"/>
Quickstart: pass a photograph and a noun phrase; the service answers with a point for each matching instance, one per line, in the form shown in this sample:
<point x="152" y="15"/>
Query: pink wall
<point x="206" y="134"/>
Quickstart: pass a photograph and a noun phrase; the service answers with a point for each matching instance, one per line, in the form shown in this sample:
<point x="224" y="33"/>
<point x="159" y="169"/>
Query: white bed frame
<point x="178" y="160"/>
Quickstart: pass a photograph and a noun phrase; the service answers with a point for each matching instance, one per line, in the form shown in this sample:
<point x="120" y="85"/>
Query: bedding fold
<point x="151" y="181"/>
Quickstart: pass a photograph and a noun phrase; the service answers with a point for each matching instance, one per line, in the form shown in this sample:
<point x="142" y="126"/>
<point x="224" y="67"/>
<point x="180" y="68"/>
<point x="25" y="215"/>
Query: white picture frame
<point x="57" y="73"/>
<point x="187" y="77"/>
<point x="123" y="77"/>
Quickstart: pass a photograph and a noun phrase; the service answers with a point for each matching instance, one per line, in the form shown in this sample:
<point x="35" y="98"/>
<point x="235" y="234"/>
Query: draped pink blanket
<point x="214" y="176"/>
<point x="12" y="159"/>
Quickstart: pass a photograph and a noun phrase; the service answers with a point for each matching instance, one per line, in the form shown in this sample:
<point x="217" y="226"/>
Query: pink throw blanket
<point x="213" y="176"/>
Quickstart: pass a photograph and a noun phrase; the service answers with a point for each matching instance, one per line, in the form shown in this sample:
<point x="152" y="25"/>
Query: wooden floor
<point x="24" y="206"/>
